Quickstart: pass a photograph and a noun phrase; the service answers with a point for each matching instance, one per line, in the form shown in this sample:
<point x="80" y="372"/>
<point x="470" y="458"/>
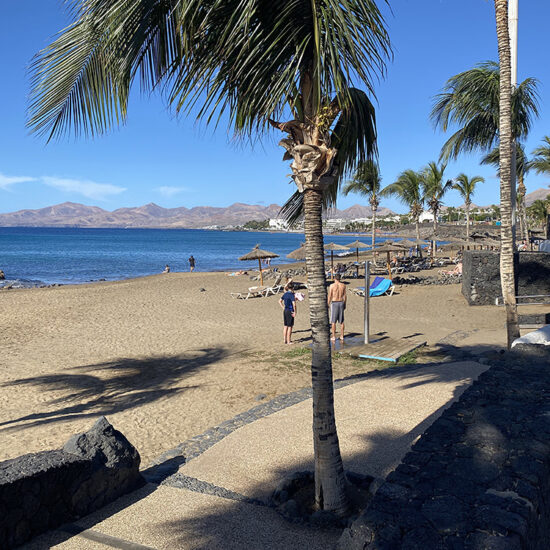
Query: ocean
<point x="35" y="256"/>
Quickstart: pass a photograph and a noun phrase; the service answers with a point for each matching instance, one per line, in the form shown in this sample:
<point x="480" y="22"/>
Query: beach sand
<point x="165" y="360"/>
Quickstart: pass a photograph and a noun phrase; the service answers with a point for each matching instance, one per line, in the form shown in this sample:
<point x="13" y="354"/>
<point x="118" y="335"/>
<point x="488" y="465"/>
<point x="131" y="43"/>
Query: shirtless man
<point x="337" y="304"/>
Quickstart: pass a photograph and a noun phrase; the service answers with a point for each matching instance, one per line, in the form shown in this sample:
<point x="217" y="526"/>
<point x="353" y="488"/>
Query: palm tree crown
<point x="433" y="187"/>
<point x="541" y="157"/>
<point x="466" y="186"/>
<point x="366" y="181"/>
<point x="471" y="101"/>
<point x="407" y="189"/>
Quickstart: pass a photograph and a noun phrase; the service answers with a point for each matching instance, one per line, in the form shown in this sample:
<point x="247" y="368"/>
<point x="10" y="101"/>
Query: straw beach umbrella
<point x="332" y="247"/>
<point x="298" y="254"/>
<point x="357" y="245"/>
<point x="387" y="249"/>
<point x="257" y="254"/>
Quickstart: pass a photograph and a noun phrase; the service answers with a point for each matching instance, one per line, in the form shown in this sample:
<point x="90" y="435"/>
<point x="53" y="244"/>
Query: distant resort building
<point x="426" y="216"/>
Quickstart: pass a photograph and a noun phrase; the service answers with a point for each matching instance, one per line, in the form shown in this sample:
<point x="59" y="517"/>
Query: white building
<point x="426" y="216"/>
<point x="278" y="224"/>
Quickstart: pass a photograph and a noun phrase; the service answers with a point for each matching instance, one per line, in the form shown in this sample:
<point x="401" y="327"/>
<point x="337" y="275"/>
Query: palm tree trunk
<point x="374" y="233"/>
<point x="507" y="274"/>
<point x="418" y="247"/>
<point x="329" y="471"/>
<point x="467" y="222"/>
<point x="434" y="243"/>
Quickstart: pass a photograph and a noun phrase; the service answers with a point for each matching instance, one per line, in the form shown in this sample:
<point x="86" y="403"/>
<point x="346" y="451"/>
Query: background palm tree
<point x="538" y="212"/>
<point x="366" y="181"/>
<point x="408" y="189"/>
<point x="230" y="58"/>
<point x="522" y="168"/>
<point x="471" y="99"/>
<point x="433" y="191"/>
<point x="466" y="187"/>
<point x="540" y="162"/>
<point x="507" y="133"/>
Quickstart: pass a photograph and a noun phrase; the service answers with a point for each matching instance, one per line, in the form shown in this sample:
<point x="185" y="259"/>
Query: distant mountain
<point x="70" y="214"/>
<point x="541" y="193"/>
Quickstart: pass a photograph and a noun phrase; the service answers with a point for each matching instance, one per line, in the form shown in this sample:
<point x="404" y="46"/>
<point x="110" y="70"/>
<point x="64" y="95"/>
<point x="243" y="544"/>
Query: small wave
<point x="21" y="283"/>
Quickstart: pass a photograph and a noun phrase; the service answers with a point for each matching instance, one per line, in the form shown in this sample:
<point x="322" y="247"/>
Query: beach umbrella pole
<point x="261" y="275"/>
<point x="366" y="308"/>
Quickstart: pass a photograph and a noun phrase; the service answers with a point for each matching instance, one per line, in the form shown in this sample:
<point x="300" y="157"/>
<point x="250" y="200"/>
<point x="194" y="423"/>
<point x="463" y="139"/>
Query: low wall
<point x="479" y="478"/>
<point x="41" y="491"/>
<point x="481" y="275"/>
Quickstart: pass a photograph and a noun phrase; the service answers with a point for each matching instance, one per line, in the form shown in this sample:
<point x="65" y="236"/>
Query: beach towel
<point x="377" y="288"/>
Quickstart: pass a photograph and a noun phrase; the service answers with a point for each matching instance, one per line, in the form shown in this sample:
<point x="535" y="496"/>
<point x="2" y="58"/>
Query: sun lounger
<point x="253" y="292"/>
<point x="275" y="288"/>
<point x="378" y="287"/>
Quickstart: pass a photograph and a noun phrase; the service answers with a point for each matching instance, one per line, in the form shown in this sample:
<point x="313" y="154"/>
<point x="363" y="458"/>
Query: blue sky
<point x="157" y="158"/>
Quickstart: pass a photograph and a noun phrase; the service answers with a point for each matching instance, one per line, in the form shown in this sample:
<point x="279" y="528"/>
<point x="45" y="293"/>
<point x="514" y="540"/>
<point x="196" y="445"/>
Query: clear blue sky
<point x="156" y="158"/>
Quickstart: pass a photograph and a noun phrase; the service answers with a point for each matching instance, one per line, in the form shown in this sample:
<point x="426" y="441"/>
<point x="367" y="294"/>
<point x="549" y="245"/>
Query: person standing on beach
<point x="191" y="263"/>
<point x="337" y="304"/>
<point x="288" y="304"/>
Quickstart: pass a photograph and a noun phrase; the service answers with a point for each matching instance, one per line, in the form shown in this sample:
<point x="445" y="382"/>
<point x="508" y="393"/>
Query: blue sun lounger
<point x="378" y="287"/>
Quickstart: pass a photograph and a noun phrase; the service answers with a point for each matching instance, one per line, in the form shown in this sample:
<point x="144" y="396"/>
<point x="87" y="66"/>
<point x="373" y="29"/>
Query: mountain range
<point x="70" y="214"/>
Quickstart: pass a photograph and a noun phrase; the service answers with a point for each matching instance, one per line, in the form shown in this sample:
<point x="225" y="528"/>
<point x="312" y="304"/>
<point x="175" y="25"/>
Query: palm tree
<point x="507" y="133"/>
<point x="523" y="166"/>
<point x="538" y="212"/>
<point x="253" y="61"/>
<point x="408" y="189"/>
<point x="433" y="191"/>
<point x="540" y="162"/>
<point x="466" y="187"/>
<point x="471" y="101"/>
<point x="366" y="181"/>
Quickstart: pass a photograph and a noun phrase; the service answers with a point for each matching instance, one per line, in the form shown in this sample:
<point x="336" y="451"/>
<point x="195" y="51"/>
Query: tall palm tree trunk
<point x="507" y="275"/>
<point x="374" y="232"/>
<point x="417" y="225"/>
<point x="434" y="243"/>
<point x="467" y="222"/>
<point x="523" y="210"/>
<point x="329" y="471"/>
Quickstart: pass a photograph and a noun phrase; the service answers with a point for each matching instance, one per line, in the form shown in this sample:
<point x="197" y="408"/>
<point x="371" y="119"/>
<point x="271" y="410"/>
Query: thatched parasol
<point x="357" y="245"/>
<point x="298" y="254"/>
<point x="257" y="254"/>
<point x="387" y="248"/>
<point x="332" y="247"/>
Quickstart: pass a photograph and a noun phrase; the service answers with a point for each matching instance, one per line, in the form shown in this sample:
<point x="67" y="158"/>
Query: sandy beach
<point x="168" y="356"/>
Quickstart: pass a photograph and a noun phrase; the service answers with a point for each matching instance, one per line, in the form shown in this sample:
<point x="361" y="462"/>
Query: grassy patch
<point x="408" y="359"/>
<point x="296" y="352"/>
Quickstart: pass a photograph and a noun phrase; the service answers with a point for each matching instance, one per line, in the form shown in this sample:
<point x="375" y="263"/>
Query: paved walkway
<point x="218" y="499"/>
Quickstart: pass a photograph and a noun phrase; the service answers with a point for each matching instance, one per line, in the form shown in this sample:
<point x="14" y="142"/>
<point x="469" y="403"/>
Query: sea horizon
<point x="42" y="256"/>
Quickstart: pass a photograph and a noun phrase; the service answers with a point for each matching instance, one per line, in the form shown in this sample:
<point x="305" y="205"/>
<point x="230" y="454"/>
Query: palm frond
<point x="470" y="100"/>
<point x="540" y="162"/>
<point x="241" y="58"/>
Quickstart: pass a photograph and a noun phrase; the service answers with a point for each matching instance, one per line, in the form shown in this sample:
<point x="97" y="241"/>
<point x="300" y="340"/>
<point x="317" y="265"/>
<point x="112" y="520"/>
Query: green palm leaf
<point x="470" y="100"/>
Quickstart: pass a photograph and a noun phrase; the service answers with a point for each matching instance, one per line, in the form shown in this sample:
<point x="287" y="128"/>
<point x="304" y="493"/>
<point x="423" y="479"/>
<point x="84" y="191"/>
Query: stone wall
<point x="479" y="478"/>
<point x="41" y="491"/>
<point x="481" y="275"/>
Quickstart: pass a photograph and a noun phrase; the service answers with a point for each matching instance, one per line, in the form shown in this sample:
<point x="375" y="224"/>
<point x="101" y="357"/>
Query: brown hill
<point x="153" y="215"/>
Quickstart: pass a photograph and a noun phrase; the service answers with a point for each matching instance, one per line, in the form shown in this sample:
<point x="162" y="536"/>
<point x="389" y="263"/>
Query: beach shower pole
<point x="366" y="311"/>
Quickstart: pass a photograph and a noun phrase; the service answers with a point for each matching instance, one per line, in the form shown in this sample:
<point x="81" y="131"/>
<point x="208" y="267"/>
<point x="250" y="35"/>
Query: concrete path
<point x="216" y="501"/>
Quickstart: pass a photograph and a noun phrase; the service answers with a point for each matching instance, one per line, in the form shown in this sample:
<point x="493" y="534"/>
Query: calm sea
<point x="34" y="256"/>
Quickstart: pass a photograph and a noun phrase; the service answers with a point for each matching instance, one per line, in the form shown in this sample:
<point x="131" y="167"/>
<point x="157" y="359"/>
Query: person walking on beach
<point x="191" y="263"/>
<point x="337" y="304"/>
<point x="288" y="304"/>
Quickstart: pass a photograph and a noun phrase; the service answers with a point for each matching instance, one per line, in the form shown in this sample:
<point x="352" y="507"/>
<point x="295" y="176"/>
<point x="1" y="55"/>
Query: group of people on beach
<point x="336" y="302"/>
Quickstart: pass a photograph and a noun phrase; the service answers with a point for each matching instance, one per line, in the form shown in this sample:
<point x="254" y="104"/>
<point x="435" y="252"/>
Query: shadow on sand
<point x="114" y="386"/>
<point x="219" y="523"/>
